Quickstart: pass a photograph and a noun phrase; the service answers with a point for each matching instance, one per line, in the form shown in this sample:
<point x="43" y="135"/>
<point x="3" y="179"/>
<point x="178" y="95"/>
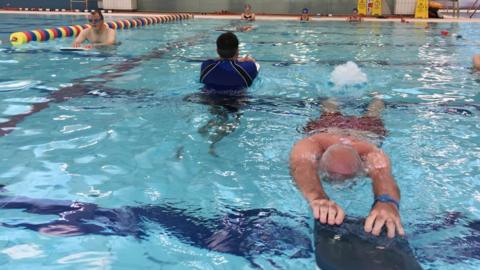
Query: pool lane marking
<point x="81" y="86"/>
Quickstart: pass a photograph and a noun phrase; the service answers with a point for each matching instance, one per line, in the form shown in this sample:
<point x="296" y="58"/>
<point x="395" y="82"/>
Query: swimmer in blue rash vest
<point x="228" y="75"/>
<point x="226" y="80"/>
<point x="343" y="149"/>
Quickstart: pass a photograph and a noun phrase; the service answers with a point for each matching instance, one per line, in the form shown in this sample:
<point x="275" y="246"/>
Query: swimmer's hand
<point x="79" y="45"/>
<point x="327" y="211"/>
<point x="246" y="58"/>
<point x="384" y="214"/>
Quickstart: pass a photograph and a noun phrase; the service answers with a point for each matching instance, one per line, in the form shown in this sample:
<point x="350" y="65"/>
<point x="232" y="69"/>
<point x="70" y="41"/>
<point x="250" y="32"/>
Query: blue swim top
<point x="222" y="76"/>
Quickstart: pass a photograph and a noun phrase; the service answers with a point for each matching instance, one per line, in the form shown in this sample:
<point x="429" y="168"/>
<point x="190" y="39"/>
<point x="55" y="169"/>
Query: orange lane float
<point x="19" y="38"/>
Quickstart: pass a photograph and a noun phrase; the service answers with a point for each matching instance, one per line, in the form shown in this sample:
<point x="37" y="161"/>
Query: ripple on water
<point x="17" y="109"/>
<point x="91" y="258"/>
<point x="6" y="86"/>
<point x="112" y="169"/>
<point x="23" y="251"/>
<point x="8" y="62"/>
<point x="28" y="100"/>
<point x="74" y="128"/>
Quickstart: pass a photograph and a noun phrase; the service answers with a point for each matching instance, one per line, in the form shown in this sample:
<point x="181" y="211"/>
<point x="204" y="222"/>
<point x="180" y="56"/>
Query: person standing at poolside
<point x="247" y="14"/>
<point x="99" y="34"/>
<point x="476" y="62"/>
<point x="343" y="147"/>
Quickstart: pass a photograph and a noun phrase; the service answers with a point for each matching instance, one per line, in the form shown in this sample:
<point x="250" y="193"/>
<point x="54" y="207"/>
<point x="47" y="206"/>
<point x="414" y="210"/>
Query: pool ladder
<point x="455" y="8"/>
<point x="475" y="7"/>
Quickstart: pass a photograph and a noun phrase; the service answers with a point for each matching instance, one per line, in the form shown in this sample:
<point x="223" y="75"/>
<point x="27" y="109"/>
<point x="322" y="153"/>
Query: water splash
<point x="348" y="74"/>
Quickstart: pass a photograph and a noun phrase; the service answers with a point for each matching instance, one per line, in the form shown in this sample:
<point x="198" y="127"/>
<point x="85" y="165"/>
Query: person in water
<point x="99" y="34"/>
<point x="341" y="147"/>
<point x="247" y="14"/>
<point x="229" y="74"/>
<point x="305" y="17"/>
<point x="355" y="17"/>
<point x="476" y="62"/>
<point x="226" y="80"/>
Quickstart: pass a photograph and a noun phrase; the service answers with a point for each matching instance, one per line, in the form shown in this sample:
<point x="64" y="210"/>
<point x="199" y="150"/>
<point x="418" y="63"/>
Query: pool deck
<point x="447" y="19"/>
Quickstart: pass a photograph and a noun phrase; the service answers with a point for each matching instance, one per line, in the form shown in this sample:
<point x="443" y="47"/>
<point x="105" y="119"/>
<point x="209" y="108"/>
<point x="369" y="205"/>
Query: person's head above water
<point x="96" y="19"/>
<point x="340" y="162"/>
<point x="227" y="45"/>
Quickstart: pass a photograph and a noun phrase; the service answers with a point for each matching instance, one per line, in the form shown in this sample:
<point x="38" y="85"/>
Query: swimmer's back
<point x="224" y="75"/>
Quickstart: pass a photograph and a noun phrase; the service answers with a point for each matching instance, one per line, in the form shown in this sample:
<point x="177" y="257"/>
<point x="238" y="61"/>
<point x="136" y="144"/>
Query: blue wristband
<point x="385" y="198"/>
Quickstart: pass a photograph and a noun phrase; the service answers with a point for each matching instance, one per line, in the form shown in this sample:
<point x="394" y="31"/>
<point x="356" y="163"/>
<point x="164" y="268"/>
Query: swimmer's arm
<point x="383" y="213"/>
<point x="246" y="58"/>
<point x="80" y="38"/>
<point x="380" y="171"/>
<point x="304" y="160"/>
<point x="304" y="169"/>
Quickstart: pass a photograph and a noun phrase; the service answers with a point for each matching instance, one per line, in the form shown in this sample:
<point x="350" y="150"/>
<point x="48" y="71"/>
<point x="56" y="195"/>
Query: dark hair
<point x="99" y="12"/>
<point x="227" y="45"/>
<point x="355" y="9"/>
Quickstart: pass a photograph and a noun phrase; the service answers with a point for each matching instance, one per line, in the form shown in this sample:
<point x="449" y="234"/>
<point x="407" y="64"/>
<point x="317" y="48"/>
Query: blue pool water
<point x="119" y="134"/>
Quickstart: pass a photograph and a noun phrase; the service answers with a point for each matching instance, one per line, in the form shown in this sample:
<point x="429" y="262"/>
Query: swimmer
<point x="226" y="80"/>
<point x="245" y="28"/>
<point x="476" y="62"/>
<point x="355" y="17"/>
<point x="98" y="34"/>
<point x="305" y="17"/>
<point x="229" y="74"/>
<point x="241" y="28"/>
<point x="247" y="14"/>
<point x="341" y="147"/>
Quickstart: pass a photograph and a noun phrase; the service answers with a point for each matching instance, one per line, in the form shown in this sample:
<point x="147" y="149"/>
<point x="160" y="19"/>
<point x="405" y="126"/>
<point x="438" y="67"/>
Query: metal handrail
<point x="78" y="1"/>
<point x="474" y="7"/>
<point x="455" y="8"/>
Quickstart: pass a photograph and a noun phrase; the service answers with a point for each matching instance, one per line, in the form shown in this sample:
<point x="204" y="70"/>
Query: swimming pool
<point x="122" y="137"/>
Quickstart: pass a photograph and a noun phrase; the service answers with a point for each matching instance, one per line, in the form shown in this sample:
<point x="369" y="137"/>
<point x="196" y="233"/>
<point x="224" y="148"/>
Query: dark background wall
<point x="46" y="4"/>
<point x="259" y="6"/>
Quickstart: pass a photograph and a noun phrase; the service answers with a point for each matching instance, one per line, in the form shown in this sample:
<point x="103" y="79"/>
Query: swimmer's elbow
<point x="476" y="62"/>
<point x="304" y="152"/>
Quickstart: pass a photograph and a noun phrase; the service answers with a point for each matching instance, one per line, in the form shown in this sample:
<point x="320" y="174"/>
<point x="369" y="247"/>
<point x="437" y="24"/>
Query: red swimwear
<point x="337" y="120"/>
